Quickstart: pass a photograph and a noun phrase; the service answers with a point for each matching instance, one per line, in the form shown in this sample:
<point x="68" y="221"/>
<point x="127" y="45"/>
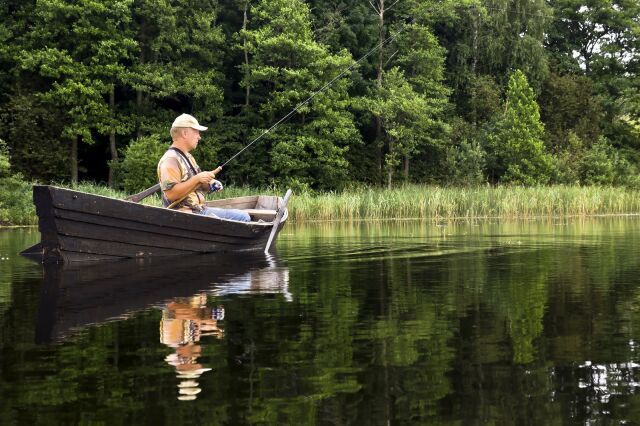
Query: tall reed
<point x="432" y="202"/>
<point x="414" y="202"/>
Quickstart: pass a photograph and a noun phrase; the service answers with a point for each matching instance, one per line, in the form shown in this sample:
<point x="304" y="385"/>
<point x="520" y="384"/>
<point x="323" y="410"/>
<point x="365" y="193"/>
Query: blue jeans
<point x="231" y="214"/>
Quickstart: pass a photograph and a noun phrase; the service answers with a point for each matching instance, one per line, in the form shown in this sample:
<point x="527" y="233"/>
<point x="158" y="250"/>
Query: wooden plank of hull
<point x="114" y="248"/>
<point x="77" y="226"/>
<point x="74" y="257"/>
<point x="33" y="252"/>
<point x="140" y="229"/>
<point x="148" y="239"/>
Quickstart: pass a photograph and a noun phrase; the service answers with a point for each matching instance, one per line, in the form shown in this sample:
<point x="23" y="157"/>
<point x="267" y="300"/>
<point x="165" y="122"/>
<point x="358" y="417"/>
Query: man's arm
<point x="170" y="176"/>
<point x="180" y="190"/>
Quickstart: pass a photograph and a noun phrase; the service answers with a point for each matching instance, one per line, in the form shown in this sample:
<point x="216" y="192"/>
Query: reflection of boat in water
<point x="74" y="296"/>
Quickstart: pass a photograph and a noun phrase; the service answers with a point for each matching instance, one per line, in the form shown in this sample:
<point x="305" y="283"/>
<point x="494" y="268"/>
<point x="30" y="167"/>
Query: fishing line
<point x="322" y="89"/>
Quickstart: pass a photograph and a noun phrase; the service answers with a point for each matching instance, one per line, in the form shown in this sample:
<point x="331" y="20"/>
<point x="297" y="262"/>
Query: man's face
<point x="192" y="137"/>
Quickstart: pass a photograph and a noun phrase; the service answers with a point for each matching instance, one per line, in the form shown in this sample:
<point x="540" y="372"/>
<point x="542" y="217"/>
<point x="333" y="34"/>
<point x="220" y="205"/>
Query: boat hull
<point x="76" y="226"/>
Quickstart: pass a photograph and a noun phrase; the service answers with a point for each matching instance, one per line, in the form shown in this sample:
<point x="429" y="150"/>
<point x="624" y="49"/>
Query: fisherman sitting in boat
<point x="182" y="182"/>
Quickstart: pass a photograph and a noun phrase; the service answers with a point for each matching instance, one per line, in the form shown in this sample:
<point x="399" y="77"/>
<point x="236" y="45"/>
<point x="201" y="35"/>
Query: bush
<point x="598" y="165"/>
<point x="5" y="166"/>
<point x="464" y="164"/>
<point x="567" y="161"/>
<point x="138" y="169"/>
<point x="16" y="206"/>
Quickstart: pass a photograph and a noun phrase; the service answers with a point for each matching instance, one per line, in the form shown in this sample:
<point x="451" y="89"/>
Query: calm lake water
<point x="399" y="323"/>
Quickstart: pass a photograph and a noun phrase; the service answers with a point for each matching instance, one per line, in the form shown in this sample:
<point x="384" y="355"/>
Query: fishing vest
<point x="194" y="201"/>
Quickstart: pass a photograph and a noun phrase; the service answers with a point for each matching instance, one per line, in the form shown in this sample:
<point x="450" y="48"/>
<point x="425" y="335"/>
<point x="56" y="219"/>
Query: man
<point x="182" y="182"/>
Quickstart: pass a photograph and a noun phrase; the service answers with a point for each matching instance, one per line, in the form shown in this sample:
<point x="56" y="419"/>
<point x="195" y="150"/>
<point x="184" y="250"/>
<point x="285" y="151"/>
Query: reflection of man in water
<point x="184" y="321"/>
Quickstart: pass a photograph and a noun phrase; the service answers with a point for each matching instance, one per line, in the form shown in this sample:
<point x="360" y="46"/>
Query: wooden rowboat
<point x="76" y="226"/>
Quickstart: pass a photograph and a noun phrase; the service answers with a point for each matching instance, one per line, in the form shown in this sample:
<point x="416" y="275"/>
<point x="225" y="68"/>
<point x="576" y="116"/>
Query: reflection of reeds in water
<point x="417" y="228"/>
<point x="355" y="241"/>
<point x="437" y="203"/>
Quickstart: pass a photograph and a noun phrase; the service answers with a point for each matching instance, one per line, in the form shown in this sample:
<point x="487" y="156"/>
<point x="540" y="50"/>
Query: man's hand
<point x="204" y="177"/>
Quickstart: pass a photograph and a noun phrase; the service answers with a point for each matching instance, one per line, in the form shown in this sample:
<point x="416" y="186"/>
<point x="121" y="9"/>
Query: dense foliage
<point x="15" y="207"/>
<point x="466" y="91"/>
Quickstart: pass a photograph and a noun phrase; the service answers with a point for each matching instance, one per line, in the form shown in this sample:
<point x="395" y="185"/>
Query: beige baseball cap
<point x="186" y="120"/>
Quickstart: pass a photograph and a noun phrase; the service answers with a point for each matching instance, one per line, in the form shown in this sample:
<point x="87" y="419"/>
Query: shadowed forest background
<point x="500" y="91"/>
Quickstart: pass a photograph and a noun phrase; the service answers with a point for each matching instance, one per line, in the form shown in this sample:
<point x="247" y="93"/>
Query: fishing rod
<point x="152" y="190"/>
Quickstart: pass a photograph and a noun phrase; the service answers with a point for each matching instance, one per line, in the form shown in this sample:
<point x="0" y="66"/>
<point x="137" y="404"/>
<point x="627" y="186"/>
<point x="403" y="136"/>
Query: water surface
<point x="534" y="322"/>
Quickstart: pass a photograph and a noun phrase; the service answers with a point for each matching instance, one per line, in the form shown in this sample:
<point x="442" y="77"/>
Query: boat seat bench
<point x="260" y="214"/>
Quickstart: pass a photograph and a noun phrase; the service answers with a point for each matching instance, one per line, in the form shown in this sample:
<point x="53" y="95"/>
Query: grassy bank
<point x="428" y="202"/>
<point x="412" y="201"/>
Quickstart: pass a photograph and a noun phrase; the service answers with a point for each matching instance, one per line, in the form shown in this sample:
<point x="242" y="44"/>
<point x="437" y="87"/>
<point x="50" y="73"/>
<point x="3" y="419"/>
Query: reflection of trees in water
<point x="500" y="335"/>
<point x="11" y="243"/>
<point x="497" y="315"/>
<point x="416" y="339"/>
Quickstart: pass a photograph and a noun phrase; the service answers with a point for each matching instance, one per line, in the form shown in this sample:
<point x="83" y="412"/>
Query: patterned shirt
<point x="173" y="169"/>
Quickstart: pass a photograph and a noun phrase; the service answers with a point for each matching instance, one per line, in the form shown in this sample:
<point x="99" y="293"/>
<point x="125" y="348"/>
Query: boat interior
<point x="260" y="207"/>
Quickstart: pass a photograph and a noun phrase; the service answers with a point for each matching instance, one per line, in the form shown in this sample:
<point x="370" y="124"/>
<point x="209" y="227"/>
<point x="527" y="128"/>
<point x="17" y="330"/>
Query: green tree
<point x="406" y="117"/>
<point x="408" y="97"/>
<point x="422" y="58"/>
<point x="30" y="126"/>
<point x="15" y="207"/>
<point x="569" y="104"/>
<point x="602" y="164"/>
<point x="5" y="166"/>
<point x="486" y="40"/>
<point x="630" y="111"/>
<point x="79" y="46"/>
<point x="464" y="160"/>
<point x="177" y="67"/>
<point x="514" y="141"/>
<point x="286" y="66"/>
<point x="597" y="36"/>
<point x="601" y="39"/>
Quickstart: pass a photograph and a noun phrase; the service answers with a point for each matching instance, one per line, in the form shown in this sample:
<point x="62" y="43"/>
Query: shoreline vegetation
<point x="404" y="202"/>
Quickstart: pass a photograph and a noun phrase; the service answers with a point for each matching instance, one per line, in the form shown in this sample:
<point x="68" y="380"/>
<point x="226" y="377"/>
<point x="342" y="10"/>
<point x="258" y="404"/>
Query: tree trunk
<point x="474" y="66"/>
<point x="139" y="109"/>
<point x="74" y="160"/>
<point x="139" y="101"/>
<point x="390" y="168"/>
<point x="112" y="135"/>
<point x="406" y="168"/>
<point x="381" y="33"/>
<point x="247" y="89"/>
